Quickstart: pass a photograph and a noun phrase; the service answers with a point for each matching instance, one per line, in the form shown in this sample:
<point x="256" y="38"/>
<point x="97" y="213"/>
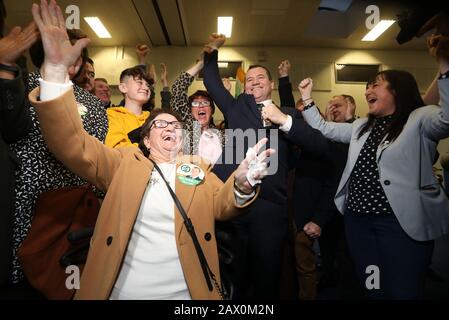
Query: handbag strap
<point x="208" y="274"/>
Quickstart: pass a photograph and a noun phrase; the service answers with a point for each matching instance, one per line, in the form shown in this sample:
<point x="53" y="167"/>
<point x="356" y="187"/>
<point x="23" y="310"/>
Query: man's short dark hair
<point x="260" y="66"/>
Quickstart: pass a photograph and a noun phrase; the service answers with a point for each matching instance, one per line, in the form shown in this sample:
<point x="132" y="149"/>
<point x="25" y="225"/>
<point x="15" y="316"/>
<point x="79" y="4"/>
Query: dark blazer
<point x="15" y="122"/>
<point x="242" y="113"/>
<point x="316" y="176"/>
<point x="316" y="182"/>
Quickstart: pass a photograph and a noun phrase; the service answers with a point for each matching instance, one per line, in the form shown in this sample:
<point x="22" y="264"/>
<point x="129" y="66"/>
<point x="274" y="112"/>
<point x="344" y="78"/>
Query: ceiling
<point x="256" y="22"/>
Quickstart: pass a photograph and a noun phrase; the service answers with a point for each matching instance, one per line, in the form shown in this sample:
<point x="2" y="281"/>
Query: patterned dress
<point x="180" y="103"/>
<point x="40" y="171"/>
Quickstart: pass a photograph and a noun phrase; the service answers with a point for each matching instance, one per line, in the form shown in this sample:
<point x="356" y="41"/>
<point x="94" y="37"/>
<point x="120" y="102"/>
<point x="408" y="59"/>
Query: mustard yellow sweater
<point x="122" y="121"/>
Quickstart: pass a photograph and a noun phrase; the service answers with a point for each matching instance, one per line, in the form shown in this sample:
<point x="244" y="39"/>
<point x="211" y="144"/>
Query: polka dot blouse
<point x="366" y="195"/>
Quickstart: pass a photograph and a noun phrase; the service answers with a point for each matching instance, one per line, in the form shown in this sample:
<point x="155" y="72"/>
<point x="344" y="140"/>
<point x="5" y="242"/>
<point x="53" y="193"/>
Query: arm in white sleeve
<point x="287" y="125"/>
<point x="51" y="90"/>
<point x="241" y="198"/>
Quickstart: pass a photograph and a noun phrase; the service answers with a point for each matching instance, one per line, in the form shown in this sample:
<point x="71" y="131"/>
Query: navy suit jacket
<point x="242" y="113"/>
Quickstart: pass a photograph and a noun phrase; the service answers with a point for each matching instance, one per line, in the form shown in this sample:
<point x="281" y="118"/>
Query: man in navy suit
<point x="258" y="237"/>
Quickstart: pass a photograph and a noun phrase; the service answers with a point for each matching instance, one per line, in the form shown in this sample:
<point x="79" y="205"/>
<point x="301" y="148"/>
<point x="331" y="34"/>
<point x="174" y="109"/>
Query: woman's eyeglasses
<point x="159" y="123"/>
<point x="196" y="104"/>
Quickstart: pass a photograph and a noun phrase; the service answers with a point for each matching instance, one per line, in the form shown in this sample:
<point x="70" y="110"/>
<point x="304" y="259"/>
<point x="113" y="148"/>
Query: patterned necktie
<point x="266" y="123"/>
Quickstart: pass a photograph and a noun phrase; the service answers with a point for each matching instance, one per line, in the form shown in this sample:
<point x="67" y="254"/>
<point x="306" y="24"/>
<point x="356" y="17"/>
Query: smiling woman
<point x="392" y="203"/>
<point x="161" y="135"/>
<point x="140" y="248"/>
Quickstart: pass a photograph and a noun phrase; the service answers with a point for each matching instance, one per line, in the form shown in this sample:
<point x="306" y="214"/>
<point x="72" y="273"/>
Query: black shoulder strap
<point x="208" y="274"/>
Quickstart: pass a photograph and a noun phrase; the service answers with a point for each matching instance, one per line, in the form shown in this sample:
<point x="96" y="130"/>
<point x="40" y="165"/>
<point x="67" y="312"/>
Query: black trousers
<point x="257" y="241"/>
<point x="402" y="262"/>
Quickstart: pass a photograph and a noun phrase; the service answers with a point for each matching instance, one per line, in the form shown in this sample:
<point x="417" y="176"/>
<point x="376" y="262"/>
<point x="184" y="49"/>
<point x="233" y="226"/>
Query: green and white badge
<point x="190" y="174"/>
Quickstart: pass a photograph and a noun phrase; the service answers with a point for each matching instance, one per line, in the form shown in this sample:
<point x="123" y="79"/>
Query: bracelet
<point x="308" y="106"/>
<point x="304" y="100"/>
<point x="13" y="69"/>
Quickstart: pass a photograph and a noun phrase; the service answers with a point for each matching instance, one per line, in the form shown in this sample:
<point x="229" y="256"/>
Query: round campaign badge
<point x="190" y="174"/>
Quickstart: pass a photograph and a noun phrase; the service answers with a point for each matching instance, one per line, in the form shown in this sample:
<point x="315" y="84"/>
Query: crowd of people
<point x="176" y="194"/>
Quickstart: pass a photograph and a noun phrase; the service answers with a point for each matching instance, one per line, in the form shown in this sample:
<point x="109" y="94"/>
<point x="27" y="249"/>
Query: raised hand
<point x="438" y="42"/>
<point x="215" y="41"/>
<point x="350" y="110"/>
<point x="142" y="51"/>
<point x="152" y="73"/>
<point x="305" y="88"/>
<point x="329" y="114"/>
<point x="253" y="168"/>
<point x="60" y="54"/>
<point x="164" y="75"/>
<point x="227" y="84"/>
<point x="16" y="42"/>
<point x="284" y="68"/>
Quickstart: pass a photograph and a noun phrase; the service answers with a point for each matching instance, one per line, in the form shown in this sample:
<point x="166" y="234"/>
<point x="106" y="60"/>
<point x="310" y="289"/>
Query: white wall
<point x="110" y="61"/>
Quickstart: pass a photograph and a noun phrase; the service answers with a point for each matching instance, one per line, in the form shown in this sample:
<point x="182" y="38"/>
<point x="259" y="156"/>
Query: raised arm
<point x="432" y="96"/>
<point x="212" y="80"/>
<point x="165" y="93"/>
<point x="142" y="51"/>
<point x="57" y="110"/>
<point x="340" y="132"/>
<point x="180" y="100"/>
<point x="285" y="87"/>
<point x="296" y="130"/>
<point x="436" y="126"/>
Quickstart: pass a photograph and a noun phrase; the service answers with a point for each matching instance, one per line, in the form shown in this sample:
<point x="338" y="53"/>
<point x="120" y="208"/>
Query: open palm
<point x="57" y="46"/>
<point x="16" y="42"/>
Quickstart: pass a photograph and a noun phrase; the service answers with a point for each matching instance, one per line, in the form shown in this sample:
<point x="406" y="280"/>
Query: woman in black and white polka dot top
<point x="393" y="206"/>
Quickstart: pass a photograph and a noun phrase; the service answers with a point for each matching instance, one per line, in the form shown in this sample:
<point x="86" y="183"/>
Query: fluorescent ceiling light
<point x="98" y="27"/>
<point x="222" y="64"/>
<point x="378" y="30"/>
<point x="225" y="26"/>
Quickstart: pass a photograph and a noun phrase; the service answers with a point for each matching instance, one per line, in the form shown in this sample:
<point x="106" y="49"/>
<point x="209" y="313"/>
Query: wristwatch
<point x="13" y="69"/>
<point x="309" y="105"/>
